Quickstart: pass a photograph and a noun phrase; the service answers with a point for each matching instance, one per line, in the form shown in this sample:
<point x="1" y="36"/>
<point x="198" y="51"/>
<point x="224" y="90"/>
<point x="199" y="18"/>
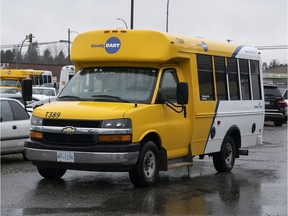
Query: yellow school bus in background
<point x="13" y="77"/>
<point x="144" y="101"/>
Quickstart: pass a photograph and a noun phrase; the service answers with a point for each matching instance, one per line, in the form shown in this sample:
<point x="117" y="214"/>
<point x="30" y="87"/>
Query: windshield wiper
<point x="70" y="97"/>
<point x="110" y="97"/>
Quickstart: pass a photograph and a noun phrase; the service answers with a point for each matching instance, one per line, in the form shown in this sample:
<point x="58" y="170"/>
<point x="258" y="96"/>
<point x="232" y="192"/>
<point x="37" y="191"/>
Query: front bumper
<point x="103" y="159"/>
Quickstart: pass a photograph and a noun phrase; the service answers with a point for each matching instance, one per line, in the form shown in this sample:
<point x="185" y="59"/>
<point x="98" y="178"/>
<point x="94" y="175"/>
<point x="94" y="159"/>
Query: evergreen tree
<point x="2" y="56"/>
<point x="60" y="58"/>
<point x="8" y="56"/>
<point x="32" y="54"/>
<point x="47" y="57"/>
<point x="16" y="54"/>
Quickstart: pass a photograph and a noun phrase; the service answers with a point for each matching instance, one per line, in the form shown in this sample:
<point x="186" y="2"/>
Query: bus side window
<point x="205" y="77"/>
<point x="255" y="76"/>
<point x="221" y="79"/>
<point x="168" y="86"/>
<point x="233" y="79"/>
<point x="244" y="78"/>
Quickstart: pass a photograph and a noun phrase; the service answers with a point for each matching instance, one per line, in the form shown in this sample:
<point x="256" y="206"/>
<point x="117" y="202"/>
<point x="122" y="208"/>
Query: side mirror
<point x="27" y="90"/>
<point x="182" y="93"/>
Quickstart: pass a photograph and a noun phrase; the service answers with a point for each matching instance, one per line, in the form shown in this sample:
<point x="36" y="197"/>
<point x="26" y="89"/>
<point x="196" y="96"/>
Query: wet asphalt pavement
<point x="257" y="185"/>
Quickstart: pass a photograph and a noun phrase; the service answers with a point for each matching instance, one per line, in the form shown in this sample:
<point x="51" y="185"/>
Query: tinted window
<point x="233" y="79"/>
<point x="205" y="77"/>
<point x="6" y="111"/>
<point x="244" y="79"/>
<point x="271" y="91"/>
<point x="168" y="86"/>
<point x="255" y="76"/>
<point x="286" y="94"/>
<point x="221" y="84"/>
<point x="18" y="111"/>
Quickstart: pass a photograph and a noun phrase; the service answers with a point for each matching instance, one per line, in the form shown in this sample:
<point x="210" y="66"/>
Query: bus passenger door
<point x="175" y="128"/>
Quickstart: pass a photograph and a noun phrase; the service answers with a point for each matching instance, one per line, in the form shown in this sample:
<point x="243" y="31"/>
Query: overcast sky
<point x="255" y="22"/>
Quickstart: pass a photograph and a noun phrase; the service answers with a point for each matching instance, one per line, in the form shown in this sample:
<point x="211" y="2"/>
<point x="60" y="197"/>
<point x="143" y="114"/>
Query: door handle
<point x="14" y="127"/>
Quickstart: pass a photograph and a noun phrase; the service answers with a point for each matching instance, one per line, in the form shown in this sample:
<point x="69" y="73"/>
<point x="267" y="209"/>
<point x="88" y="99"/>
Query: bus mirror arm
<point x="173" y="107"/>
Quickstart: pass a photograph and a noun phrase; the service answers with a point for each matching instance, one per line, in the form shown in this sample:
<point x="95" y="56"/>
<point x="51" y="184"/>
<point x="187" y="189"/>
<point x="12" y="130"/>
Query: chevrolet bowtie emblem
<point x="69" y="130"/>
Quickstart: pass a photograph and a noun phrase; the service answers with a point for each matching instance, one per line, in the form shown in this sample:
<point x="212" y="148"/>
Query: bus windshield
<point x="112" y="84"/>
<point x="12" y="83"/>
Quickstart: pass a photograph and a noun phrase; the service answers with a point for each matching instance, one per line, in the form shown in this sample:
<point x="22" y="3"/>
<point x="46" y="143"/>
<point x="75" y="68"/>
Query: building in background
<point x="277" y="76"/>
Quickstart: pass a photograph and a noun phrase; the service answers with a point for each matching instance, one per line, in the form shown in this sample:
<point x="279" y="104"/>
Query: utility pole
<point x="132" y="13"/>
<point x="69" y="62"/>
<point x="167" y="15"/>
<point x="68" y="43"/>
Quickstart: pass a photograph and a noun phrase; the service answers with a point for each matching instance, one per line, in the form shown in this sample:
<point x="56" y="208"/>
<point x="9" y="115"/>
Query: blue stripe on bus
<point x="237" y="51"/>
<point x="215" y="113"/>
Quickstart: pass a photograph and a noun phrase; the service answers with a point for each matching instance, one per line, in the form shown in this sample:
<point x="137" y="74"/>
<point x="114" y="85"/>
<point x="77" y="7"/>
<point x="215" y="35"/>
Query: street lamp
<point x="28" y="37"/>
<point x="123" y="22"/>
<point x="167" y="15"/>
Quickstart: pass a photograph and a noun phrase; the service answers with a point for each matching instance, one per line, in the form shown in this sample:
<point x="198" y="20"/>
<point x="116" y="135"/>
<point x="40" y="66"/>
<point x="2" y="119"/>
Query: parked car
<point x="31" y="106"/>
<point x="43" y="92"/>
<point x="19" y="98"/>
<point x="15" y="124"/>
<point x="9" y="90"/>
<point x="51" y="85"/>
<point x="275" y="105"/>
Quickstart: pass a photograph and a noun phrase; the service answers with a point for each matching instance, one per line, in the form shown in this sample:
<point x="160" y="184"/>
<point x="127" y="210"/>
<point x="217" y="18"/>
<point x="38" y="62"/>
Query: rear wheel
<point x="225" y="159"/>
<point x="278" y="123"/>
<point x="146" y="171"/>
<point x="50" y="173"/>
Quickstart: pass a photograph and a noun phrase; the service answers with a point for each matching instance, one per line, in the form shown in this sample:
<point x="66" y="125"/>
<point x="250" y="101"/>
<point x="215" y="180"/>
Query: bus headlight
<point x="36" y="121"/>
<point x="117" y="123"/>
<point x="114" y="133"/>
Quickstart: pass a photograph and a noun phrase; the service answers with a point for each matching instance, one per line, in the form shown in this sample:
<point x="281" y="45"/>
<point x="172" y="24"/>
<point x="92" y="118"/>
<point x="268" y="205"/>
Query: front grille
<point x="72" y="140"/>
<point x="74" y="123"/>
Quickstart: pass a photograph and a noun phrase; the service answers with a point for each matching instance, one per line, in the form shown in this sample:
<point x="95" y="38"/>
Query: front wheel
<point x="224" y="160"/>
<point x="146" y="171"/>
<point x="50" y="173"/>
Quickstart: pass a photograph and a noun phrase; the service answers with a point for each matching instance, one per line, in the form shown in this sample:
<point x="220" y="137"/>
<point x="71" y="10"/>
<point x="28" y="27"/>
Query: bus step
<point x="179" y="165"/>
<point x="243" y="152"/>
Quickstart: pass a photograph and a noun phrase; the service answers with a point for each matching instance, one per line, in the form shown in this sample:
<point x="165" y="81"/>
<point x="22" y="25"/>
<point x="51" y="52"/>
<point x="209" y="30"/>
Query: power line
<point x="272" y="47"/>
<point x="26" y="45"/>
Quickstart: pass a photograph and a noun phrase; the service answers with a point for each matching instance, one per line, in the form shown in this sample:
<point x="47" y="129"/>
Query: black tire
<point x="145" y="173"/>
<point x="51" y="173"/>
<point x="24" y="157"/>
<point x="224" y="160"/>
<point x="278" y="123"/>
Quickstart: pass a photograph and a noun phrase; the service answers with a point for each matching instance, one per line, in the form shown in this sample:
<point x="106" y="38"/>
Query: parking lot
<point x="256" y="186"/>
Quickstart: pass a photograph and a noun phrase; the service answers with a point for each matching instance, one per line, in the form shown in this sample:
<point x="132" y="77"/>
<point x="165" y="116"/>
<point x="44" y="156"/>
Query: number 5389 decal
<point x="52" y="114"/>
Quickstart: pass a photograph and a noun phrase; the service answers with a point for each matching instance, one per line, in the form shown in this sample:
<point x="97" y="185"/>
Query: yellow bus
<point x="13" y="77"/>
<point x="144" y="101"/>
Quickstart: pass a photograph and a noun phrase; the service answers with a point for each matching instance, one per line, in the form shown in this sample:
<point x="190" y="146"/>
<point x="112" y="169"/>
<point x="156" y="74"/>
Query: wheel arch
<point x="235" y="133"/>
<point x="155" y="137"/>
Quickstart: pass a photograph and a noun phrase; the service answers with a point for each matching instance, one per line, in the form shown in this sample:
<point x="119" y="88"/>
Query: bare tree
<point x="274" y="63"/>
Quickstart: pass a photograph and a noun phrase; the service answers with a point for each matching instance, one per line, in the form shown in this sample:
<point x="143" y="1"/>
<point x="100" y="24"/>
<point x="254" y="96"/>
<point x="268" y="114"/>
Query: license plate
<point x="267" y="102"/>
<point x="65" y="157"/>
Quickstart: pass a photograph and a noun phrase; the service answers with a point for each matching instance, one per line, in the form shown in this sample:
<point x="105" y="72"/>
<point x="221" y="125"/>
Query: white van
<point x="67" y="72"/>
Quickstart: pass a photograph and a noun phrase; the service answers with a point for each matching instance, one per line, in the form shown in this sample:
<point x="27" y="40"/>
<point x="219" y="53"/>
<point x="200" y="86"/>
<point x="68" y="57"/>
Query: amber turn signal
<point x="36" y="135"/>
<point x="115" y="138"/>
